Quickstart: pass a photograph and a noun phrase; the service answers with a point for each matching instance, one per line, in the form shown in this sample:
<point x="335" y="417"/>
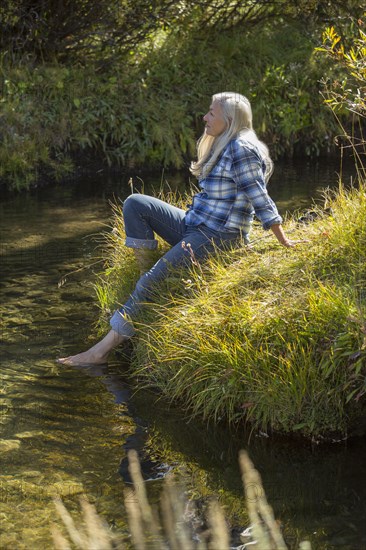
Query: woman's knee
<point x="131" y="203"/>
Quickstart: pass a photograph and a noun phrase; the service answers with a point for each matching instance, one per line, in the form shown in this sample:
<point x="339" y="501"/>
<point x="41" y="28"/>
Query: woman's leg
<point x="143" y="216"/>
<point x="197" y="243"/>
<point x="98" y="354"/>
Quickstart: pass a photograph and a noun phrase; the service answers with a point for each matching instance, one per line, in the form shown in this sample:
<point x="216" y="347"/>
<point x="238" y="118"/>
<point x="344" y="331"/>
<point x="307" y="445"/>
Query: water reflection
<point x="61" y="434"/>
<point x="67" y="430"/>
<point x="316" y="491"/>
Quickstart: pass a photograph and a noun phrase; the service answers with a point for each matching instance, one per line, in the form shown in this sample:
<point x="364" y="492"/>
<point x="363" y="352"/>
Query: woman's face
<point x="215" y="123"/>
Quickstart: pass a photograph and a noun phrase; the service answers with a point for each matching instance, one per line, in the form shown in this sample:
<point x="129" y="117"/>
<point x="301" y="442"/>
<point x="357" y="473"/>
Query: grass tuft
<point x="266" y="335"/>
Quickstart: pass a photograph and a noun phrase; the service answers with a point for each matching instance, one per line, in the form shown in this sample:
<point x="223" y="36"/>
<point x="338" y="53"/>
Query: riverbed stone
<point x="19" y="488"/>
<point x="64" y="489"/>
<point x="30" y="474"/>
<point x="7" y="445"/>
<point x="29" y="434"/>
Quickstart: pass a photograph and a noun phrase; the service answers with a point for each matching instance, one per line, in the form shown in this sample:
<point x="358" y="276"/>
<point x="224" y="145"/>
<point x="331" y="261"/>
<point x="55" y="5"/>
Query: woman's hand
<point x="291" y="244"/>
<point x="282" y="239"/>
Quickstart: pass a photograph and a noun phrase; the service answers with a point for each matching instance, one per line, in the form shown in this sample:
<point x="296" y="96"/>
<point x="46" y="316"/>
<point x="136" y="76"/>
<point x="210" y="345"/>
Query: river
<point x="66" y="431"/>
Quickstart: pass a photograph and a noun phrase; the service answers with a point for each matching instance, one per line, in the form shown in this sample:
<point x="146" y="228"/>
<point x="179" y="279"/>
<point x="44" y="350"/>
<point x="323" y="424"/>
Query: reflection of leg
<point x="98" y="354"/>
<point x="112" y="377"/>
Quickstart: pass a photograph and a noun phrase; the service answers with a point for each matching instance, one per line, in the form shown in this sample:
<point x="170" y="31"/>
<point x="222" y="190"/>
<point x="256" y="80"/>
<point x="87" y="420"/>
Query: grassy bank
<point x="263" y="335"/>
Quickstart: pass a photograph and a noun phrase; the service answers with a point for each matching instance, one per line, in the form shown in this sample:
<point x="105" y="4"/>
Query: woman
<point x="233" y="167"/>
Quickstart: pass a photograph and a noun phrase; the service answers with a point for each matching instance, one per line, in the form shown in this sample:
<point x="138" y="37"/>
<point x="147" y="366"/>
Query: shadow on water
<point x="117" y="384"/>
<point x="66" y="431"/>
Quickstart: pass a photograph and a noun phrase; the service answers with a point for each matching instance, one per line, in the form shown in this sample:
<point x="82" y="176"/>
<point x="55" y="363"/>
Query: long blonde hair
<point x="237" y="114"/>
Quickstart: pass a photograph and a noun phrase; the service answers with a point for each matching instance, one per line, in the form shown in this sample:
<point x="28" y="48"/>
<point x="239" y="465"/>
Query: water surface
<point x="66" y="431"/>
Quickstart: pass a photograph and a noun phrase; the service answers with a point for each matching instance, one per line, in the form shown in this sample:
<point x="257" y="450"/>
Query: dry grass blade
<point x="150" y="525"/>
<point x="97" y="531"/>
<point x="168" y="518"/>
<point x="172" y="518"/>
<point x="75" y="534"/>
<point x="95" y="535"/>
<point x="59" y="541"/>
<point x="134" y="520"/>
<point x="220" y="536"/>
<point x="265" y="528"/>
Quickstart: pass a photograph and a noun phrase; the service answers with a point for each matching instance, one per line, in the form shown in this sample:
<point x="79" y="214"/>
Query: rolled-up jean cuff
<point x="121" y="324"/>
<point x="149" y="244"/>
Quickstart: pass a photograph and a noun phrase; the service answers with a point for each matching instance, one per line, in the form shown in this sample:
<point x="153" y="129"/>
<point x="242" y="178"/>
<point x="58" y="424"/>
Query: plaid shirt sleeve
<point x="248" y="174"/>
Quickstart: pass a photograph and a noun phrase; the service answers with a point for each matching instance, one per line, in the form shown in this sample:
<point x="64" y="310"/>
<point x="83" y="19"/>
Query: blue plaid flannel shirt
<point x="234" y="191"/>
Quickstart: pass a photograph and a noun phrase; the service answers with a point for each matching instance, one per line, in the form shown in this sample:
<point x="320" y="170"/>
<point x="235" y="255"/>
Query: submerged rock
<point x="9" y="445"/>
<point x="36" y="490"/>
<point x="64" y="489"/>
<point x="29" y="434"/>
<point x="30" y="473"/>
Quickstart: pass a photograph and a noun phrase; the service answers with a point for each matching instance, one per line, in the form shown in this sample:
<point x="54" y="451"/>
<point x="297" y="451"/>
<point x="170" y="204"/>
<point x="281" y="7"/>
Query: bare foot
<point x="84" y="359"/>
<point x="98" y="354"/>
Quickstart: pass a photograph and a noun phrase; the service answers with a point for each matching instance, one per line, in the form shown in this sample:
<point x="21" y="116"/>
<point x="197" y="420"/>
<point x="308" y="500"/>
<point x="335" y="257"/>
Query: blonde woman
<point x="232" y="167"/>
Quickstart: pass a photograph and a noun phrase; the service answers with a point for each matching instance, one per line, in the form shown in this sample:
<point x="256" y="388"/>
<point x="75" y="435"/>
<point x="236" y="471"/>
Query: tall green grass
<point x="270" y="336"/>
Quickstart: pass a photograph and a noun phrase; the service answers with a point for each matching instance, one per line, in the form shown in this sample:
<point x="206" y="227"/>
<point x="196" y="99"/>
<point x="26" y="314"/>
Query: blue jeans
<point x="146" y="216"/>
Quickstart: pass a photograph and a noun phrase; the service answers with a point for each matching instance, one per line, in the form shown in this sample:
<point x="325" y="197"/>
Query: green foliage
<point x="344" y="89"/>
<point x="349" y="92"/>
<point x="264" y="335"/>
<point x="51" y="113"/>
<point x="100" y="29"/>
<point x="87" y="29"/>
<point x="144" y="108"/>
<point x="273" y="65"/>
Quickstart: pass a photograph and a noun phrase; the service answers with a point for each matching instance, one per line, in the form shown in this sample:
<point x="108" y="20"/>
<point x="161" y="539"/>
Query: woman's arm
<point x="249" y="177"/>
<point x="280" y="234"/>
<point x="278" y="231"/>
